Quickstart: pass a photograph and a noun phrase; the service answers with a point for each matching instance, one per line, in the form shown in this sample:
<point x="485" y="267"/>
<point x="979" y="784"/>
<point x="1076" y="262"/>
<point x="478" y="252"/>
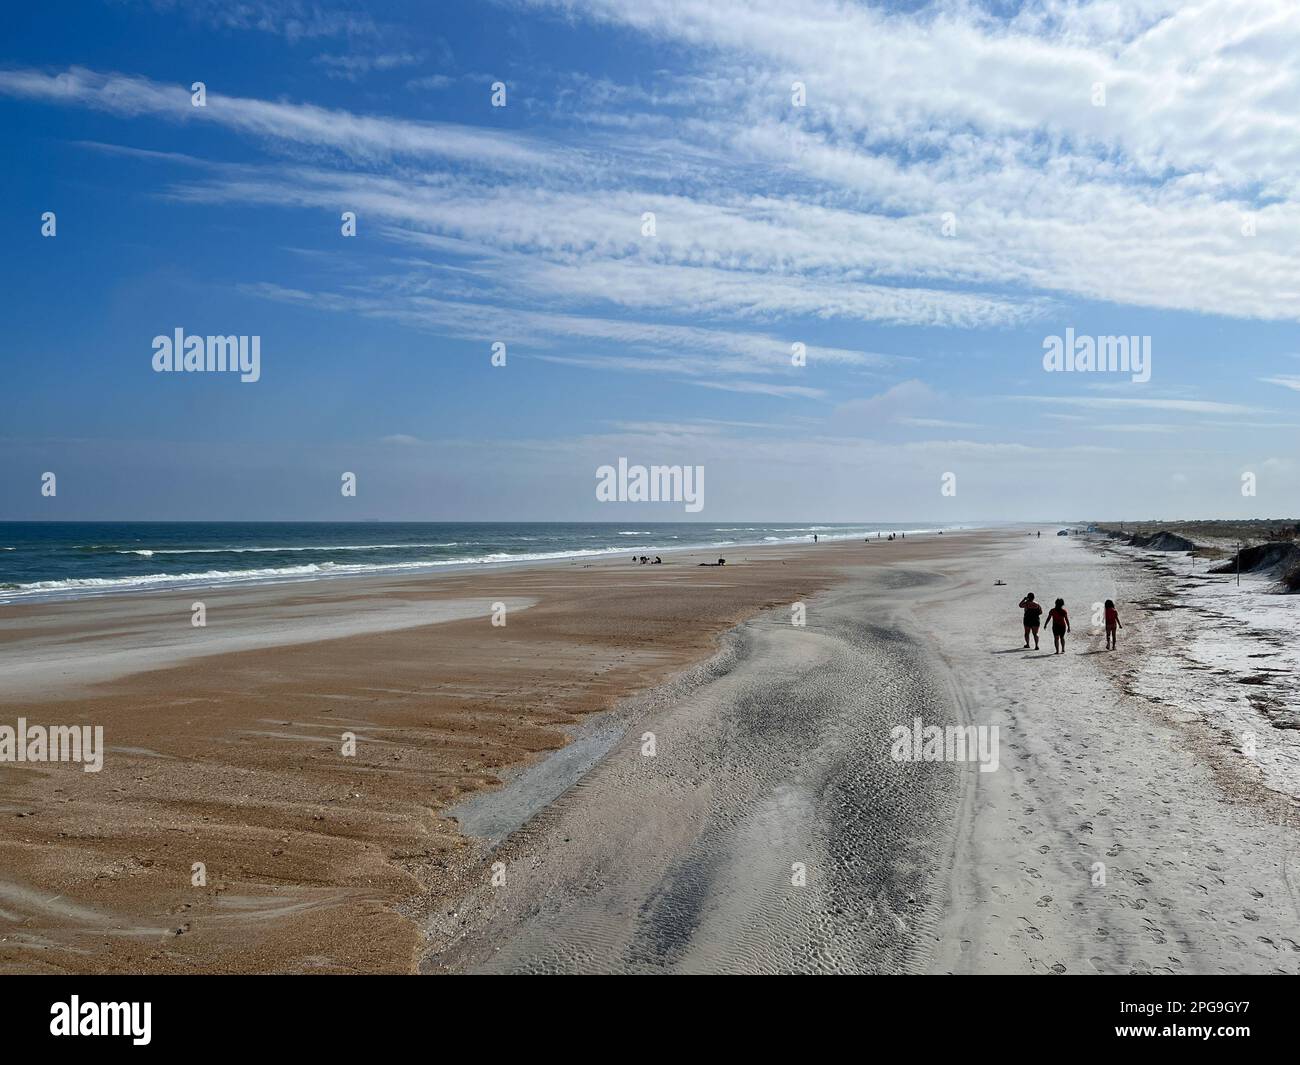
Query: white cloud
<point x="1291" y="381"/>
<point x="352" y="66"/>
<point x="1187" y="406"/>
<point x="764" y="389"/>
<point x="360" y="137"/>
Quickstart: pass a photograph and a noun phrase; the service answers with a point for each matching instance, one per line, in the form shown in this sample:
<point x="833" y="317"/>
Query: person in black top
<point x="1033" y="613"/>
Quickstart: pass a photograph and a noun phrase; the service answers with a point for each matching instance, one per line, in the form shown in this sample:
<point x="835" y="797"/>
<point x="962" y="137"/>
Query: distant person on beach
<point x="1060" y="626"/>
<point x="1040" y="534"/>
<point x="1112" y="623"/>
<point x="1033" y="612"/>
<point x="814" y="537"/>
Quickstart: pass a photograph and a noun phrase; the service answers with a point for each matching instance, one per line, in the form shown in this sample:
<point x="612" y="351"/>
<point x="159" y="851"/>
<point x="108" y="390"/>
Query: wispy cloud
<point x="1186" y="406"/>
<point x="762" y="388"/>
<point x="361" y="137"/>
<point x="294" y="20"/>
<point x="1291" y="381"/>
<point x="353" y="66"/>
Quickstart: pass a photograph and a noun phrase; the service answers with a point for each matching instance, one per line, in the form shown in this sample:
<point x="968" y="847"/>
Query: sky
<point x="919" y="195"/>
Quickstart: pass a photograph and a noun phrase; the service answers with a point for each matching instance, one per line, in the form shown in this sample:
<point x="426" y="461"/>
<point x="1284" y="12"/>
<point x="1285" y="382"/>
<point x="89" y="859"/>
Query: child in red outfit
<point x="1112" y="623"/>
<point x="1060" y="626"/>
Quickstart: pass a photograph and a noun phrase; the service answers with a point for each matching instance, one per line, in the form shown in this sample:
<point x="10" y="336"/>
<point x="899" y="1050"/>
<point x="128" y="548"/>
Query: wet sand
<point x="315" y="861"/>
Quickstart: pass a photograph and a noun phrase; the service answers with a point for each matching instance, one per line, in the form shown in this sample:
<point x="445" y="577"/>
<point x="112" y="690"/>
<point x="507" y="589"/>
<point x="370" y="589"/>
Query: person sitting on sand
<point x="1112" y="622"/>
<point x="1032" y="614"/>
<point x="658" y="561"/>
<point x="1060" y="626"/>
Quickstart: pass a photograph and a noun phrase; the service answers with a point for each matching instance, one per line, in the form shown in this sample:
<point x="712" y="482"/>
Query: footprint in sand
<point x="1034" y="933"/>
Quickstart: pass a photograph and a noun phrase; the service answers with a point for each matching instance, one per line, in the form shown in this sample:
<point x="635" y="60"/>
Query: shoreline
<point x="234" y="760"/>
<point x="97" y="587"/>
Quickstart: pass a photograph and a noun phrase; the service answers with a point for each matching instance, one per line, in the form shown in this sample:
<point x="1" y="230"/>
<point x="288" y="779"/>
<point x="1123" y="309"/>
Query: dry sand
<point x="1199" y="854"/>
<point x="773" y="750"/>
<point x="1119" y="834"/>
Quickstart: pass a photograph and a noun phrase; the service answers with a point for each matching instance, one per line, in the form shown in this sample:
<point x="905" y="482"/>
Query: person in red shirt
<point x="1112" y="623"/>
<point x="1060" y="626"/>
<point x="1032" y="614"/>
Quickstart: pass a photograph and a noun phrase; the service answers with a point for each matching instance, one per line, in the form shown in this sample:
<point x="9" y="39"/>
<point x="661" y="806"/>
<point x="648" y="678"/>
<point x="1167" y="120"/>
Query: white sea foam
<point x="247" y="550"/>
<point x="208" y="578"/>
<point x="88" y="586"/>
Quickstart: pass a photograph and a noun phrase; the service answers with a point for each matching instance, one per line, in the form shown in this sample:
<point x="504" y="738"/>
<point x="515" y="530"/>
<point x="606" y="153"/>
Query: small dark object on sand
<point x="720" y="562"/>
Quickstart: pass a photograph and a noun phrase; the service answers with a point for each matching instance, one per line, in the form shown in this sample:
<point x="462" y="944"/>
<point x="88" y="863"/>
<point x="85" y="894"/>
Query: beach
<point x="500" y="812"/>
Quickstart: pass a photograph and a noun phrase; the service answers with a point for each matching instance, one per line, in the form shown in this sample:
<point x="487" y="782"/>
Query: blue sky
<point x="1173" y="211"/>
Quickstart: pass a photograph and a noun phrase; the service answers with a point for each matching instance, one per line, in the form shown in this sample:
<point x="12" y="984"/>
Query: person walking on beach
<point x="1112" y="623"/>
<point x="1032" y="614"/>
<point x="1060" y="626"/>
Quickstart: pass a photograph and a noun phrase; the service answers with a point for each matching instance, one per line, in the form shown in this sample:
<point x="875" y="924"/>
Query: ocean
<point x="66" y="560"/>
